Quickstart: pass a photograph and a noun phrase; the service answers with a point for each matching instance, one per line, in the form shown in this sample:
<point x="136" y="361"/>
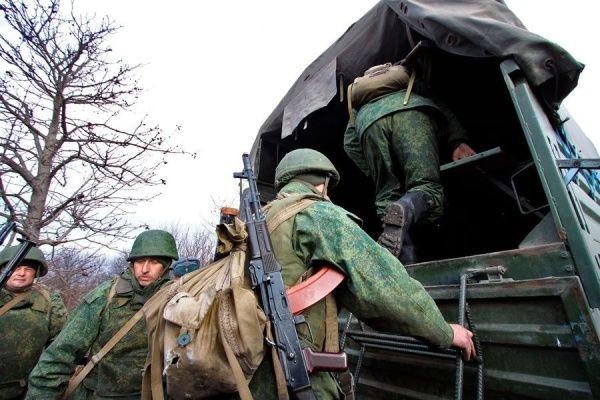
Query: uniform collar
<point x="296" y="187"/>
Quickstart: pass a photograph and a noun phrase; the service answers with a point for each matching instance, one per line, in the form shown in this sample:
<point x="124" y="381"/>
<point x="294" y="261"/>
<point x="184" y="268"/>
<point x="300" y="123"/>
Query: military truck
<point x="521" y="227"/>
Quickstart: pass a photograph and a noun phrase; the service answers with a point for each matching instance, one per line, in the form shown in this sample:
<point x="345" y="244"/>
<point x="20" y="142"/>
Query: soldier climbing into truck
<point x="392" y="136"/>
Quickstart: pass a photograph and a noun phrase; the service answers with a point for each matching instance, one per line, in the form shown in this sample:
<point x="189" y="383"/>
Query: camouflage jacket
<point x="25" y="330"/>
<point x="362" y="119"/>
<point x="93" y="323"/>
<point x="378" y="290"/>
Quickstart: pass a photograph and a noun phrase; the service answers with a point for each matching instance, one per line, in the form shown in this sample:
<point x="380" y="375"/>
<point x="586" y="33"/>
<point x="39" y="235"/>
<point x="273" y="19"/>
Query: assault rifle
<point x="265" y="272"/>
<point x="5" y="231"/>
<point x="23" y="249"/>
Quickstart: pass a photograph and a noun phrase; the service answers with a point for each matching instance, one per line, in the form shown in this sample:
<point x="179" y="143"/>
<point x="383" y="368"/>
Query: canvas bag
<point x="377" y="81"/>
<point x="206" y="331"/>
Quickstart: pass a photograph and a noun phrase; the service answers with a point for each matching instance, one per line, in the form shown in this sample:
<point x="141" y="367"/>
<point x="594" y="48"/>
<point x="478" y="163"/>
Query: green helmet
<point x="304" y="161"/>
<point x="154" y="243"/>
<point x="34" y="255"/>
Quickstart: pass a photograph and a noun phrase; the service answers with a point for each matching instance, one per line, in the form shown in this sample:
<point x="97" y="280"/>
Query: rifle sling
<point x="282" y="392"/>
<point x="13" y="302"/>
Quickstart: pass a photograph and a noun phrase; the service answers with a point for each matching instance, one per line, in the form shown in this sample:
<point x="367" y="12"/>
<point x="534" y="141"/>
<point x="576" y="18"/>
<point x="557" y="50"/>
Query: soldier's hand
<point x="461" y="151"/>
<point x="463" y="339"/>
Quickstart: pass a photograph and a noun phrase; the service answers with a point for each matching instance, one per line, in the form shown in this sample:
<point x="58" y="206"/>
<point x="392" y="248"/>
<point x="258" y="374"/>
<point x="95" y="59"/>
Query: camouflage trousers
<point x="401" y="151"/>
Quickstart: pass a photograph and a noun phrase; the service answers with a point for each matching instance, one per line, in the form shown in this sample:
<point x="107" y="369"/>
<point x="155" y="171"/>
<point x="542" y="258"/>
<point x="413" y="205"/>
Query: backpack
<point x="376" y="82"/>
<point x="193" y="328"/>
<point x="207" y="331"/>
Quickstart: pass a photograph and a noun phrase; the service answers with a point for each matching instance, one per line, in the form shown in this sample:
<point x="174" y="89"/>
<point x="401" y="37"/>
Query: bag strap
<point x="76" y="380"/>
<point x="236" y="369"/>
<point x="411" y="83"/>
<point x="7" y="307"/>
<point x="332" y="345"/>
<point x="44" y="292"/>
<point x="152" y="384"/>
<point x="46" y="295"/>
<point x="288" y="212"/>
<point x="332" y="338"/>
<point x="111" y="295"/>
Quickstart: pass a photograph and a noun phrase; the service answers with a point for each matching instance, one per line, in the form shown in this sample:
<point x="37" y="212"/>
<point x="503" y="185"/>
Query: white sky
<point x="260" y="48"/>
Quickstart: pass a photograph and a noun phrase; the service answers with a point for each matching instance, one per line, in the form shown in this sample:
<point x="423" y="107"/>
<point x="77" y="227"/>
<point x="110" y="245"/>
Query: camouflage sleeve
<point x="456" y="133"/>
<point x="353" y="148"/>
<point x="378" y="290"/>
<point x="50" y="377"/>
<point x="58" y="315"/>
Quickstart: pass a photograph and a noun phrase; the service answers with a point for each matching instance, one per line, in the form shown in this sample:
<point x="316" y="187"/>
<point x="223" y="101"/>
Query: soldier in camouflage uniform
<point x="396" y="144"/>
<point x="28" y="324"/>
<point x="377" y="289"/>
<point x="118" y="375"/>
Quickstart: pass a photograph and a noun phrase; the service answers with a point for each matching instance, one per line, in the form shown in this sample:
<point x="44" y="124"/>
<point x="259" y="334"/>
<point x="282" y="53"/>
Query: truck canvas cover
<point x="387" y="33"/>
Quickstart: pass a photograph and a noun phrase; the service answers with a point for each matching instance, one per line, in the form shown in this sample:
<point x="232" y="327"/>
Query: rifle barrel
<point x="6" y="229"/>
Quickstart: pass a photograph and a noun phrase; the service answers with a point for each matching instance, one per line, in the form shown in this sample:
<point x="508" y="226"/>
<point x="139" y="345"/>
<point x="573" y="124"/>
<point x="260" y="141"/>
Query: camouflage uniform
<point x="25" y="330"/>
<point x="396" y="145"/>
<point x="378" y="290"/>
<point x="119" y="373"/>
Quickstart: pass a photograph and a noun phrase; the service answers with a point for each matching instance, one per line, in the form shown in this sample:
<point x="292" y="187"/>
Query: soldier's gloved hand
<point x="461" y="151"/>
<point x="463" y="339"/>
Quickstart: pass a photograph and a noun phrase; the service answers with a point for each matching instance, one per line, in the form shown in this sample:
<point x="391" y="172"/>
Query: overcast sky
<point x="218" y="69"/>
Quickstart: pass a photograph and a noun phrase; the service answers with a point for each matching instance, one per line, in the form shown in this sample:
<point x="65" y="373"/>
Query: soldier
<point x="30" y="318"/>
<point x="393" y="140"/>
<point x="95" y="321"/>
<point x="377" y="288"/>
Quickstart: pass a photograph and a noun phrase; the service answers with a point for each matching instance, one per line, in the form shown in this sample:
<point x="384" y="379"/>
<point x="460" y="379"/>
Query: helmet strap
<point x="324" y="193"/>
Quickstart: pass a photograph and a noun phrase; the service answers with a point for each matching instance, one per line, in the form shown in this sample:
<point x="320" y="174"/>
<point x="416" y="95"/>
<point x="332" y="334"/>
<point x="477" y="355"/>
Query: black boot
<point x="398" y="218"/>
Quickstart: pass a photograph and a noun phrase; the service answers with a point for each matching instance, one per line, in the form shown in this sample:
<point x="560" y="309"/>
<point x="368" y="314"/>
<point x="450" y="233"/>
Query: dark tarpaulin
<point x="474" y="28"/>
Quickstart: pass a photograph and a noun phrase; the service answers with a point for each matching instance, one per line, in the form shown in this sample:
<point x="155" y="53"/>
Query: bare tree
<point x="68" y="172"/>
<point x="193" y="241"/>
<point x="74" y="272"/>
<point x="118" y="263"/>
